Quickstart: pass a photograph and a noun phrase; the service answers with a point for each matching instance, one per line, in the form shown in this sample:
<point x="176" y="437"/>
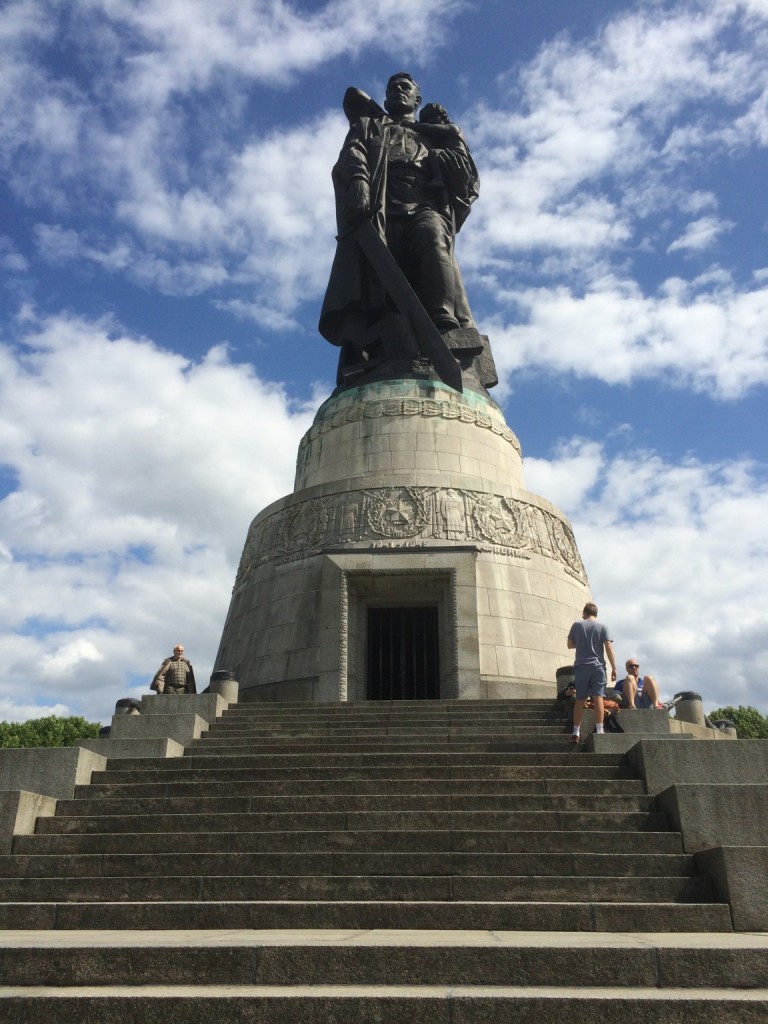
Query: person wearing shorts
<point x="592" y="643"/>
<point x="635" y="692"/>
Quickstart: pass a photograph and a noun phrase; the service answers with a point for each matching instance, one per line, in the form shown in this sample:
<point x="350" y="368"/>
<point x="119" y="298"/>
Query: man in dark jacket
<point x="175" y="675"/>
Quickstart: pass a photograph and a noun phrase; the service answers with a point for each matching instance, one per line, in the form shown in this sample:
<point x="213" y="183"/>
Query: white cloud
<point x="707" y="335"/>
<point x="182" y="44"/>
<point x="68" y="658"/>
<point x="675" y="554"/>
<point x="133" y="500"/>
<point x="700" y="234"/>
<point x="568" y="478"/>
<point x="13" y="712"/>
<point x="599" y="133"/>
<point x="10" y="257"/>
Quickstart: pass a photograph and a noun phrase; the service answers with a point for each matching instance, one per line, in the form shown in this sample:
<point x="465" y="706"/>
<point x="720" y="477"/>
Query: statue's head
<point x="403" y="94"/>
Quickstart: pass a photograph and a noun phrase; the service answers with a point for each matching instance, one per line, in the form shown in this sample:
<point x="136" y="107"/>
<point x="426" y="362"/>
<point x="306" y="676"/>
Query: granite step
<point x="400" y="888"/>
<point x="495" y="744"/>
<point x="232" y="719"/>
<point x="365" y="1004"/>
<point x="383" y="863"/>
<point x="567" y="756"/>
<point x="606" y="842"/>
<point x="359" y="787"/>
<point x="489" y="915"/>
<point x="555" y="821"/>
<point x="577" y="772"/>
<point x="457" y="706"/>
<point x="341" y="957"/>
<point x="396" y="729"/>
<point x="351" y="802"/>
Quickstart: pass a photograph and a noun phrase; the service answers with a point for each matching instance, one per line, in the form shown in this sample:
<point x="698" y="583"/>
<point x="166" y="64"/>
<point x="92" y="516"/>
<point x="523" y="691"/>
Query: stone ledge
<point x="50" y="771"/>
<point x="208" y="706"/>
<point x="740" y="877"/>
<point x="180" y="727"/>
<point x="664" y="764"/>
<point x="150" y="747"/>
<point x="711" y="814"/>
<point x="19" y="810"/>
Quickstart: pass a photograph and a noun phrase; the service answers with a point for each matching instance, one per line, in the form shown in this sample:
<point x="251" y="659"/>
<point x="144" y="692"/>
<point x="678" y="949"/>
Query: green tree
<point x="749" y="722"/>
<point x="47" y="732"/>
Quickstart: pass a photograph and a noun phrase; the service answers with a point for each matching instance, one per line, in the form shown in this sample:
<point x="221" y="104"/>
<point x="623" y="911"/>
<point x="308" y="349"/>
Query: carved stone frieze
<point x="426" y="407"/>
<point x="409" y="517"/>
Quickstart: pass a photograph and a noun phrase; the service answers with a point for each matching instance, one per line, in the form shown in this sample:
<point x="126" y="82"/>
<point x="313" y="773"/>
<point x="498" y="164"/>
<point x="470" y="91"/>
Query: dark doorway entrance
<point x="403" y="654"/>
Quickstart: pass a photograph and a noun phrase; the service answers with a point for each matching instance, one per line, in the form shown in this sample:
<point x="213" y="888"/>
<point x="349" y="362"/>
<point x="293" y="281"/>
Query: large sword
<point x="398" y="288"/>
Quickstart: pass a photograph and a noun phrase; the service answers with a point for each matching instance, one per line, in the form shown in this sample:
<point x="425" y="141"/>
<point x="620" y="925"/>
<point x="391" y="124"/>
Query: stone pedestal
<point x="407" y="495"/>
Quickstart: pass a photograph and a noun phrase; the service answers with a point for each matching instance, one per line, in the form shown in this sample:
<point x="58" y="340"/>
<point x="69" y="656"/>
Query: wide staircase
<point x="445" y="862"/>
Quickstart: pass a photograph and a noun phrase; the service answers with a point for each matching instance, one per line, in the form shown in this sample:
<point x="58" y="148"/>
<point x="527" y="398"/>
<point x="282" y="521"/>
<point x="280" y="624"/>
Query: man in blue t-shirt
<point x="592" y="642"/>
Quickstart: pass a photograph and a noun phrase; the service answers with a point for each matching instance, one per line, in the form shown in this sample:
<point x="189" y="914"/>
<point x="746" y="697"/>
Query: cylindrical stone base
<point x="408" y="495"/>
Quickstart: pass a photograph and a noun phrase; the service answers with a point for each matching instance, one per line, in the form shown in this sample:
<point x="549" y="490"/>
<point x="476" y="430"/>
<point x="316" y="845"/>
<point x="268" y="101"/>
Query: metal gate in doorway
<point x="403" y="654"/>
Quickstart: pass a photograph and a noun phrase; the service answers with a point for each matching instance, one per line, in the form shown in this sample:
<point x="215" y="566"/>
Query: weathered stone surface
<point x="19" y="810"/>
<point x="49" y="771"/>
<point x="718" y="814"/>
<point x="135" y="747"/>
<point x="740" y="876"/>
<point x="208" y="706"/>
<point x="183" y="728"/>
<point x="732" y="761"/>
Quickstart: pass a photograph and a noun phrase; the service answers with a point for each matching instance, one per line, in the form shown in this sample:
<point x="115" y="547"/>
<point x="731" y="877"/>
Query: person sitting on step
<point x="634" y="692"/>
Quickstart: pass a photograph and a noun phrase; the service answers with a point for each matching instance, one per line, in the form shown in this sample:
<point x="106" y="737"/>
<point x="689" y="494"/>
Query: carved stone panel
<point x="394" y="517"/>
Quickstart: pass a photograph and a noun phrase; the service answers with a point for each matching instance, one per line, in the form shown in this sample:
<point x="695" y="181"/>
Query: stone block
<point x="488" y="664"/>
<point x="514" y="661"/>
<point x="735" y="761"/>
<point x="469" y="465"/>
<point x="152" y="747"/>
<point x="515" y="579"/>
<point x="609" y="742"/>
<point x="740" y="877"/>
<point x="494" y="630"/>
<point x="712" y="814"/>
<point x="19" y="810"/>
<point x="307" y="689"/>
<point x="488" y="574"/>
<point x="208" y="706"/>
<point x="483" y="602"/>
<point x="542" y="585"/>
<point x="505" y="603"/>
<point x="545" y="664"/>
<point x="427" y="461"/>
<point x="183" y="727"/>
<point x="645" y="721"/>
<point x="403" y="460"/>
<point x="535" y="609"/>
<point x="51" y="771"/>
<point x="526" y="634"/>
<point x="447" y="462"/>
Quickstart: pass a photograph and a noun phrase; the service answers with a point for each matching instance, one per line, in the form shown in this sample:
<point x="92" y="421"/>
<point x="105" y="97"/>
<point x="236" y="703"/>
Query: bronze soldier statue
<point x="412" y="182"/>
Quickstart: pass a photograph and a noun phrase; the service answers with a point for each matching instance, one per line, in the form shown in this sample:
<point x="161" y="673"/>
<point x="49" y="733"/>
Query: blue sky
<point x="166" y="231"/>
